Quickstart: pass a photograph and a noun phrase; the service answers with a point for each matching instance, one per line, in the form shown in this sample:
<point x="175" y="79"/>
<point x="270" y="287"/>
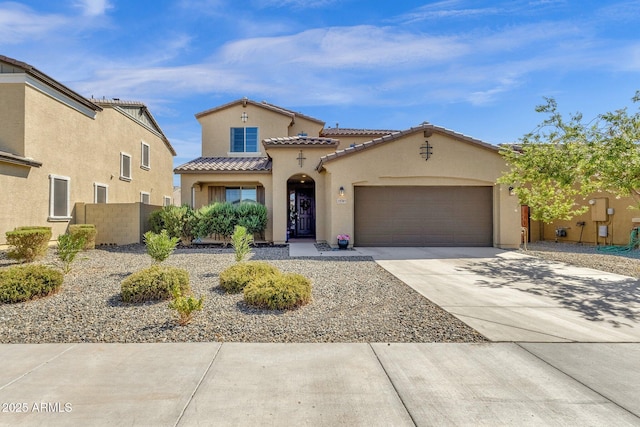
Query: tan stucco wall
<point x="118" y="223"/>
<point x="12" y="98"/>
<point x="619" y="224"/>
<point x="285" y="166"/>
<point x="70" y="144"/>
<point x="198" y="185"/>
<point x="398" y="162"/>
<point x="216" y="133"/>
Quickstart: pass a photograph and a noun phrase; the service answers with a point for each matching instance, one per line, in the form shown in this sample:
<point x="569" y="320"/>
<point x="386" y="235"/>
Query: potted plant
<point x="343" y="241"/>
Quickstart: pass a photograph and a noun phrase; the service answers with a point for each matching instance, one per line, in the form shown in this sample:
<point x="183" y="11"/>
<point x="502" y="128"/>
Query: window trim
<point x="166" y="200"/>
<point x="122" y="176"/>
<point x="244" y="141"/>
<point x="52" y="216"/>
<point x="95" y="192"/>
<point x="145" y="193"/>
<point x="142" y="165"/>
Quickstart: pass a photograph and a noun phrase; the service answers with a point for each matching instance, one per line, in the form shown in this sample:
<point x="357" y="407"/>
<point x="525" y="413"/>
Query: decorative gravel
<point x="354" y="300"/>
<point x="626" y="263"/>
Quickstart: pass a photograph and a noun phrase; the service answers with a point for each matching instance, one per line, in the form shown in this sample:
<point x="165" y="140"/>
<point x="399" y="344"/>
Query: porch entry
<point x="301" y="191"/>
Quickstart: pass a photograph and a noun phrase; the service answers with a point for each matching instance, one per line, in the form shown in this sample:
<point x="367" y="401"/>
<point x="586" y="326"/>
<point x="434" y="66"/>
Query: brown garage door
<point x="423" y="216"/>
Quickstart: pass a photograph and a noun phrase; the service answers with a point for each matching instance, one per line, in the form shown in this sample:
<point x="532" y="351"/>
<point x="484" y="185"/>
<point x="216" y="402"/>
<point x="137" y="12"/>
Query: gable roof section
<point x="139" y="113"/>
<point x="225" y="164"/>
<point x="42" y="77"/>
<point x="329" y="132"/>
<point x="263" y="104"/>
<point x="306" y="141"/>
<point x="425" y="127"/>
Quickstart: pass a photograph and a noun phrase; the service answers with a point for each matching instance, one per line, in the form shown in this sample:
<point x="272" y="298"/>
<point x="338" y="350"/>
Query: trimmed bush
<point x="252" y="216"/>
<point x="27" y="244"/>
<point x="154" y="284"/>
<point x="87" y="231"/>
<point x="236" y="277"/>
<point x="179" y="221"/>
<point x="278" y="291"/>
<point x="26" y="282"/>
<point x="220" y="219"/>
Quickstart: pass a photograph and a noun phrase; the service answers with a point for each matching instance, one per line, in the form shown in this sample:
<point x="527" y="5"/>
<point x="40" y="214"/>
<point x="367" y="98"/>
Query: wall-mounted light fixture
<point x="341" y="191"/>
<point x="511" y="192"/>
<point x="592" y="202"/>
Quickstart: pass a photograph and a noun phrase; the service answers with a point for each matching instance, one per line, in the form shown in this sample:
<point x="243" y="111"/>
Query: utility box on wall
<point x="599" y="209"/>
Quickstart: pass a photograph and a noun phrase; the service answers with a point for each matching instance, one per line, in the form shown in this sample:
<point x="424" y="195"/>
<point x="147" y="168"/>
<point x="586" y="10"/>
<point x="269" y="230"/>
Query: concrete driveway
<point x="510" y="296"/>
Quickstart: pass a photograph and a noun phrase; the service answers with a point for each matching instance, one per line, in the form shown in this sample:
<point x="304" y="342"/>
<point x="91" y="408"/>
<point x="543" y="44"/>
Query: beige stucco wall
<point x="398" y="162"/>
<point x="87" y="150"/>
<point x="619" y="224"/>
<point x="285" y="166"/>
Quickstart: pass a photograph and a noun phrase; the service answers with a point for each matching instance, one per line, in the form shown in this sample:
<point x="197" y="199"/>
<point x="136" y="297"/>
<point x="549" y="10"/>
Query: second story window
<point x="144" y="157"/>
<point x="244" y="140"/>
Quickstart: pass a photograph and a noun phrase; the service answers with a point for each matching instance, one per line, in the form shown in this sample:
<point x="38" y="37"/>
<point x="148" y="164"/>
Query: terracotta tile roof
<point x="355" y="132"/>
<point x="262" y="104"/>
<point x="300" y="140"/>
<point x="425" y="127"/>
<point x="39" y="75"/>
<point x="226" y="164"/>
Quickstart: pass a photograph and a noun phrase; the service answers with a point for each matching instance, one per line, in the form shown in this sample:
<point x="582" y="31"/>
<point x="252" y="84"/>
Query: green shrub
<point x="87" y="231"/>
<point x="185" y="305"/>
<point x="25" y="282"/>
<point x="236" y="277"/>
<point x="159" y="246"/>
<point x="241" y="242"/>
<point x="26" y="244"/>
<point x="278" y="291"/>
<point x="68" y="247"/>
<point x="252" y="216"/>
<point x="179" y="221"/>
<point x="154" y="283"/>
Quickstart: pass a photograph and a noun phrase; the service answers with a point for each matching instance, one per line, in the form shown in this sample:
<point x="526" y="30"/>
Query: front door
<point x="306" y="221"/>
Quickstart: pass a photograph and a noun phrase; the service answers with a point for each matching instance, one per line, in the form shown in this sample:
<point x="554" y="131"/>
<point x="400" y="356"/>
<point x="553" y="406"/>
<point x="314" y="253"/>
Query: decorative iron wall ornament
<point x="426" y="150"/>
<point x="301" y="158"/>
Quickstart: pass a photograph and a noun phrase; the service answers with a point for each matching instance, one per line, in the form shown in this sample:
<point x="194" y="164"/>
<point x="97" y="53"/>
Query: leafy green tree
<point x="564" y="160"/>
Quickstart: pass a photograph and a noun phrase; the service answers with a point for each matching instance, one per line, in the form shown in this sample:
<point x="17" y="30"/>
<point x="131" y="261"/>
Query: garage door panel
<point x="423" y="216"/>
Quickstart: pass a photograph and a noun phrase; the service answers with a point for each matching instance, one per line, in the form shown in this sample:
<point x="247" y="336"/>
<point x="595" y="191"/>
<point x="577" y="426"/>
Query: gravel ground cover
<point x="354" y="300"/>
<point x="625" y="263"/>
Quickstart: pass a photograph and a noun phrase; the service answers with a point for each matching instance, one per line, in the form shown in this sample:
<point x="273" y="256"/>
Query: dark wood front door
<point x="306" y="223"/>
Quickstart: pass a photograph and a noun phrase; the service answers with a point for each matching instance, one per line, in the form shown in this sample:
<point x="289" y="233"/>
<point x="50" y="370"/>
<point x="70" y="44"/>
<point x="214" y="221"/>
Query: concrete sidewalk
<point x="380" y="384"/>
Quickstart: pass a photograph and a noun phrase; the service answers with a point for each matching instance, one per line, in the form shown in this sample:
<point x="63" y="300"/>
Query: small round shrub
<point x="278" y="291"/>
<point x="236" y="277"/>
<point x="27" y="244"/>
<point x="86" y="231"/>
<point x="26" y="282"/>
<point x="154" y="283"/>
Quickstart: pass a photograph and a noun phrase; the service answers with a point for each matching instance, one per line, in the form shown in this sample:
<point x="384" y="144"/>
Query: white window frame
<point x="166" y="200"/>
<point x="142" y="194"/>
<point x="52" y="216"/>
<point x="95" y="192"/>
<point x="142" y="165"/>
<point x="122" y="176"/>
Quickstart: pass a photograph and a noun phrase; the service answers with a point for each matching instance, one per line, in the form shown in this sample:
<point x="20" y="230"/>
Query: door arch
<point x="301" y="206"/>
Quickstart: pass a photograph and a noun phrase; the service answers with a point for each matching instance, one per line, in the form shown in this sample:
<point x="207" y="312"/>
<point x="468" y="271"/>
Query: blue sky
<point x="476" y="67"/>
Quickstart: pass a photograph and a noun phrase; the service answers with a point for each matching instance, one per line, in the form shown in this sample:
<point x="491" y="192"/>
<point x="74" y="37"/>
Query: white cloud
<point x="19" y="23"/>
<point x="93" y="7"/>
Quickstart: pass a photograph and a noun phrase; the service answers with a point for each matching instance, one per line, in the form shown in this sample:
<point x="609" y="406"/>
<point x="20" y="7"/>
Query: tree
<point x="564" y="160"/>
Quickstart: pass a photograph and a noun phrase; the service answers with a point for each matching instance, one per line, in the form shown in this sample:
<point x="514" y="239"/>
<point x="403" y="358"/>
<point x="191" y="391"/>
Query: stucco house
<point x="424" y="186"/>
<point x="59" y="150"/>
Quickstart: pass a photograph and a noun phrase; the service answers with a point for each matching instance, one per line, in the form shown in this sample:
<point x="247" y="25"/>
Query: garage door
<point x="423" y="216"/>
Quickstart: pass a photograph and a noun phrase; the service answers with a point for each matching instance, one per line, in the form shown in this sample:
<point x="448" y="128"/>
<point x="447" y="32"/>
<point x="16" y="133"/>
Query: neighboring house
<point x="425" y="186"/>
<point x="58" y="149"/>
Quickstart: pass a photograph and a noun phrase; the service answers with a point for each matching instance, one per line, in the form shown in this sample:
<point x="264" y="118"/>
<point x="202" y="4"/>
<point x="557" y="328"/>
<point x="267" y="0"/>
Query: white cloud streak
<point x="93" y="8"/>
